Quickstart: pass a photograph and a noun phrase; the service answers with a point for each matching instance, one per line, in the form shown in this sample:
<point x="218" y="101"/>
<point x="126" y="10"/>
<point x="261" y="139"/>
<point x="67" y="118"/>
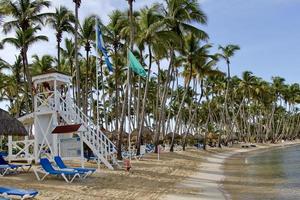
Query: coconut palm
<point x="153" y="36"/>
<point x="226" y="53"/>
<point x="61" y="21"/>
<point x="193" y="53"/>
<point x="41" y="65"/>
<point x="77" y="5"/>
<point x="25" y="14"/>
<point x="87" y="35"/>
<point x="3" y="9"/>
<point x="22" y="41"/>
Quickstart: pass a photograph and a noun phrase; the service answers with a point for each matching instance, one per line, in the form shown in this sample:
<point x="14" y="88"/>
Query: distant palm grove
<point x="184" y="92"/>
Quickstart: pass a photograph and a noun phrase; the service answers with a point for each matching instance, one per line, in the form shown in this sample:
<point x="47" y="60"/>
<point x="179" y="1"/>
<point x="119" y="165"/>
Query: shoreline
<point x="208" y="180"/>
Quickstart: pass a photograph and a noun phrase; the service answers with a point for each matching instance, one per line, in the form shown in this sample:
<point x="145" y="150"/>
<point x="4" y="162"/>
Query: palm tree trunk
<point x="25" y="80"/>
<point x="28" y="75"/>
<point x="76" y="56"/>
<point x="180" y="108"/>
<point x="85" y="100"/>
<point x="58" y="51"/>
<point x="141" y="124"/>
<point x="164" y="99"/>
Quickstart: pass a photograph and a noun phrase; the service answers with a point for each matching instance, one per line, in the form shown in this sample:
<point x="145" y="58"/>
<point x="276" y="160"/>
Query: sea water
<point x="271" y="174"/>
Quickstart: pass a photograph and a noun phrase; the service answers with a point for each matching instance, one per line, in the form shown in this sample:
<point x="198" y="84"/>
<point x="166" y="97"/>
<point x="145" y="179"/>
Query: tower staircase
<point x="95" y="139"/>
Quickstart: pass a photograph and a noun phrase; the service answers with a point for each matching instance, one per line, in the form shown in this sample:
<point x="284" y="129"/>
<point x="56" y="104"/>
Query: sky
<point x="268" y="32"/>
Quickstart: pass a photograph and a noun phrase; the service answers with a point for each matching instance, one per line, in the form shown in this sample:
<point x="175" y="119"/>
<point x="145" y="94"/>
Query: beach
<point x="208" y="181"/>
<point x="149" y="179"/>
<point x="189" y="175"/>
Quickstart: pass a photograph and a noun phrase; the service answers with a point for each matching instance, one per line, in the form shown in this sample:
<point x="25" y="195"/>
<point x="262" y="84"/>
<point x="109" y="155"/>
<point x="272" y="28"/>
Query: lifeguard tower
<point x="55" y="119"/>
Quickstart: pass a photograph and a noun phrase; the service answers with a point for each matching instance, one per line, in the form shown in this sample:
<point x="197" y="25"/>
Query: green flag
<point x="135" y="65"/>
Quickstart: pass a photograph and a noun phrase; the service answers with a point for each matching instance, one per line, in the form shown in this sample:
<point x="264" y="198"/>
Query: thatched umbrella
<point x="10" y="125"/>
<point x="177" y="137"/>
<point x="147" y="135"/>
<point x="114" y="135"/>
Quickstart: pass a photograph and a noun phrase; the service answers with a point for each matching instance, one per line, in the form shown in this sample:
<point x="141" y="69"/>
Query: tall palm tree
<point x="113" y="34"/>
<point x="226" y="53"/>
<point x="22" y="41"/>
<point x="61" y="21"/>
<point x="87" y="35"/>
<point x="68" y="53"/>
<point x="178" y="17"/>
<point x="25" y="14"/>
<point x="193" y="54"/>
<point x="77" y="5"/>
<point x="152" y="35"/>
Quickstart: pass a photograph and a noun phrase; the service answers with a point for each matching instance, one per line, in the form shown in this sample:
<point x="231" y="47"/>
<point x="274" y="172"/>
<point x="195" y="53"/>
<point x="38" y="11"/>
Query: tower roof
<point x="51" y="75"/>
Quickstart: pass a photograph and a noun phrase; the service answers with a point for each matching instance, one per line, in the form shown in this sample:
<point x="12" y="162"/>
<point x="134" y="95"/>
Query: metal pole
<point x="129" y="129"/>
<point x="97" y="88"/>
<point x="97" y="81"/>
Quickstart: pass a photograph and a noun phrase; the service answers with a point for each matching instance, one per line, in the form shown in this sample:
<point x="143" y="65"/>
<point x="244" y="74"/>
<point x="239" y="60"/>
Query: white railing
<point x="98" y="142"/>
<point x="21" y="150"/>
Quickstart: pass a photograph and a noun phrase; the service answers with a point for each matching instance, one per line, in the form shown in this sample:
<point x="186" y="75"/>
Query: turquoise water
<point x="272" y="174"/>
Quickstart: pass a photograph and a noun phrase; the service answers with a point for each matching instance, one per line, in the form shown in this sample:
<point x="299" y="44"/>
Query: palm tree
<point x="154" y="37"/>
<point x="113" y="35"/>
<point x="77" y="5"/>
<point x="22" y="41"/>
<point x="25" y="14"/>
<point x="178" y="17"/>
<point x="226" y="53"/>
<point x="68" y="53"/>
<point x="193" y="54"/>
<point x="41" y="65"/>
<point x="12" y="86"/>
<point x="87" y="35"/>
<point x="3" y="9"/>
<point x="26" y="17"/>
<point x="61" y="21"/>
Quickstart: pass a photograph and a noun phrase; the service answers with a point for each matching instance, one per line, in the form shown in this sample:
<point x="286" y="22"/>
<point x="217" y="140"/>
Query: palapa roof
<point x="146" y="131"/>
<point x="10" y="125"/>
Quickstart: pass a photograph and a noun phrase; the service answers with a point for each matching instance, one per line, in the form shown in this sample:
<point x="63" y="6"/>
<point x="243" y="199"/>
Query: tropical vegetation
<point x="183" y="93"/>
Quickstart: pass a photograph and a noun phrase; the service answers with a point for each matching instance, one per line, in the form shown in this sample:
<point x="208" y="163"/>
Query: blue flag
<point x="101" y="47"/>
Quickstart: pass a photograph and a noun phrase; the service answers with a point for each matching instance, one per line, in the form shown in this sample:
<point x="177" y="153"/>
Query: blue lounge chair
<point x="47" y="169"/>
<point x="12" y="167"/>
<point x="60" y="163"/>
<point x="8" y="192"/>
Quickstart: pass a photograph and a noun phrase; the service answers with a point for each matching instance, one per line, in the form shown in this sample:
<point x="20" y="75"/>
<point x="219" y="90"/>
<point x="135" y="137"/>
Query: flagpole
<point x="128" y="99"/>
<point x="97" y="80"/>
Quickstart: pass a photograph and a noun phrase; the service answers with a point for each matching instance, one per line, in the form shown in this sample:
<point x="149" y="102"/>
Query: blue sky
<point x="268" y="32"/>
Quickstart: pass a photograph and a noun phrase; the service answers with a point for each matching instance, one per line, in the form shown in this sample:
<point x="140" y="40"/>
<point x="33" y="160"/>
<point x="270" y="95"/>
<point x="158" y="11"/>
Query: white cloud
<point x="102" y="8"/>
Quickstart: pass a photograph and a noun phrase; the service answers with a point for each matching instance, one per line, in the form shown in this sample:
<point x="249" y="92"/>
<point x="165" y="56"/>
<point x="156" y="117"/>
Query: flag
<point x="135" y="65"/>
<point x="101" y="47"/>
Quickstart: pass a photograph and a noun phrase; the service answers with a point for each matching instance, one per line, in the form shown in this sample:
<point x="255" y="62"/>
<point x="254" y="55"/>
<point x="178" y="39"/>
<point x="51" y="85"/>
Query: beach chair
<point x="9" y="192"/>
<point x="5" y="169"/>
<point x="47" y="169"/>
<point x="60" y="163"/>
<point x="14" y="167"/>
